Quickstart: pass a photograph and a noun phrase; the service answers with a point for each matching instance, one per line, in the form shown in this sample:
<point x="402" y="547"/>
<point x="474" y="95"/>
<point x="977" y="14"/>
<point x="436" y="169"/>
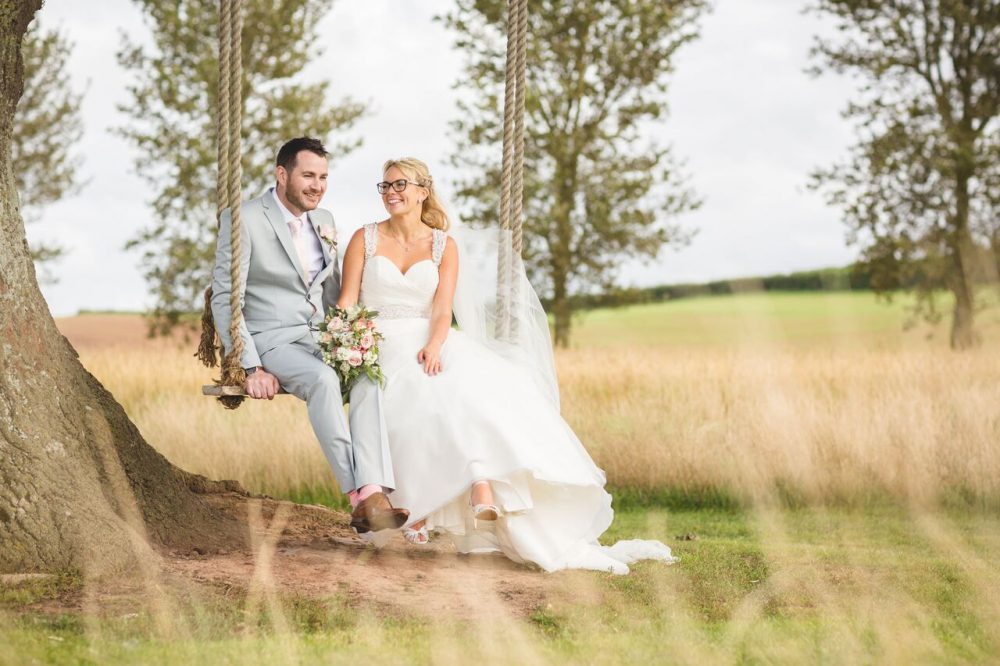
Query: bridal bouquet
<point x="349" y="341"/>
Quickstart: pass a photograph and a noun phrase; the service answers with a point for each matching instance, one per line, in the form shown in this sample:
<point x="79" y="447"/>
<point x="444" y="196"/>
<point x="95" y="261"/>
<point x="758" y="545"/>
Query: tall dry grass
<point x="823" y="424"/>
<point x="267" y="446"/>
<point x="828" y="424"/>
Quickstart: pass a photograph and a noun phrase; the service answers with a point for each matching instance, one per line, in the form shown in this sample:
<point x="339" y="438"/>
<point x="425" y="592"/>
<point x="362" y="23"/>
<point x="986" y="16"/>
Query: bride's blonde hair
<point x="432" y="212"/>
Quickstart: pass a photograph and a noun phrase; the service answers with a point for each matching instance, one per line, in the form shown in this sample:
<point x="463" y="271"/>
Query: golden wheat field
<point x="813" y="416"/>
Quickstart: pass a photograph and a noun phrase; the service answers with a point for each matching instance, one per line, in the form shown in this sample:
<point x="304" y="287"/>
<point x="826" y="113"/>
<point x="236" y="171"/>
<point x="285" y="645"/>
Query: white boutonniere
<point x="329" y="235"/>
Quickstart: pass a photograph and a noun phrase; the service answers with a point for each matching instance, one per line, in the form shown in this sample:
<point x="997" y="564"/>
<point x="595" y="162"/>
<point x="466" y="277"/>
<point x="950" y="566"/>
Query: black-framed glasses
<point x="396" y="185"/>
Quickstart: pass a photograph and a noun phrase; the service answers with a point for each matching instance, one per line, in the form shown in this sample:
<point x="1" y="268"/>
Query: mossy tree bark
<point x="79" y="487"/>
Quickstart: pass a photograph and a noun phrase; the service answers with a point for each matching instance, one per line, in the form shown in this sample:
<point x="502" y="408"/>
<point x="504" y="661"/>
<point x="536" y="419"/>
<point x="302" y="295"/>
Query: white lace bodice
<point x="397" y="295"/>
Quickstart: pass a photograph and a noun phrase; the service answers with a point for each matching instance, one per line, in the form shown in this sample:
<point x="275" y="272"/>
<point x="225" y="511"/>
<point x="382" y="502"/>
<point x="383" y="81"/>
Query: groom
<point x="290" y="278"/>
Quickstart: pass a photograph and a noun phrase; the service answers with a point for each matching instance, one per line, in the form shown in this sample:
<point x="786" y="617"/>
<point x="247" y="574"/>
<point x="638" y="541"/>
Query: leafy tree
<point x="172" y="112"/>
<point x="595" y="190"/>
<point x="921" y="189"/>
<point x="47" y="125"/>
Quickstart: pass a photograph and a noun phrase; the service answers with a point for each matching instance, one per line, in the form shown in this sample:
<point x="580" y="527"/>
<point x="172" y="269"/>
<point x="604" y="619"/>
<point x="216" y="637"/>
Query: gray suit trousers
<point x="359" y="455"/>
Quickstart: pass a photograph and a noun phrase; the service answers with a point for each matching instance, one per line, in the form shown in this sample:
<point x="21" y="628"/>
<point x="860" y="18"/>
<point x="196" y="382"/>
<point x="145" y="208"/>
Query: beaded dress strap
<point x="438" y="241"/>
<point x="371" y="239"/>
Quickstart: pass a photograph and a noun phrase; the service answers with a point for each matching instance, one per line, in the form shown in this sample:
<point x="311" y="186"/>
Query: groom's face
<point x="305" y="184"/>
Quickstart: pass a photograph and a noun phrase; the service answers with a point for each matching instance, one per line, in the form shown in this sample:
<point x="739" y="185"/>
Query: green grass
<point x="788" y="586"/>
<point x="772" y="318"/>
<point x="326" y="495"/>
<point x="41" y="589"/>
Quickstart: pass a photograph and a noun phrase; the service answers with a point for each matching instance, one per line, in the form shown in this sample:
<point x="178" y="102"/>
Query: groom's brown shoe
<point x="375" y="513"/>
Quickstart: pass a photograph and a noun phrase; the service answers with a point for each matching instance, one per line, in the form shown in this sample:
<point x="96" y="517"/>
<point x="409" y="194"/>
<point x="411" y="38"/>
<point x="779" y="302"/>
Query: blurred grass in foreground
<point x="757" y="586"/>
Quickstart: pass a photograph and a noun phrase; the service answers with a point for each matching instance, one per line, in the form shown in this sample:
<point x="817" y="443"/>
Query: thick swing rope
<point x="511" y="182"/>
<point x="503" y="255"/>
<point x="228" y="194"/>
<point x="517" y="172"/>
<point x="517" y="175"/>
<point x="233" y="372"/>
<point x="222" y="112"/>
<point x="207" y="347"/>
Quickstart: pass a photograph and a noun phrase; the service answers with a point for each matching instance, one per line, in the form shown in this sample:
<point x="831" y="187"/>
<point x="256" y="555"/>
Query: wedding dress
<point x="484" y="417"/>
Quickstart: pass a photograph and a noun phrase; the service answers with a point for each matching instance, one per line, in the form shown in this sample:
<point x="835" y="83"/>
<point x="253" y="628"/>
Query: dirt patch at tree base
<point x="304" y="551"/>
<point x="311" y="551"/>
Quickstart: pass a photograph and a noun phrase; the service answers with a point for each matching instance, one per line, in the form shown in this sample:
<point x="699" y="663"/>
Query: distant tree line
<point x="857" y="277"/>
<point x="860" y="276"/>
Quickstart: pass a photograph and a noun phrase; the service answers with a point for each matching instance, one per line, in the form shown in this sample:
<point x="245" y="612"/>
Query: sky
<point x="746" y="119"/>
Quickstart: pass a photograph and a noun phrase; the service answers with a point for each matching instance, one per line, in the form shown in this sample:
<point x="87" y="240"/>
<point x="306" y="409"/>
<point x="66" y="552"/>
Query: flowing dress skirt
<point x="483" y="418"/>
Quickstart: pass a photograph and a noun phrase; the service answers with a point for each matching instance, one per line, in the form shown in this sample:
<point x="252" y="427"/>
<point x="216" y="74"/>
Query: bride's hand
<point x="430" y="358"/>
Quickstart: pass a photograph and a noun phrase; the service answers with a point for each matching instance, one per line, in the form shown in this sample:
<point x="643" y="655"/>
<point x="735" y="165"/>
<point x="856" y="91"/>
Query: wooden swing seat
<point x="219" y="391"/>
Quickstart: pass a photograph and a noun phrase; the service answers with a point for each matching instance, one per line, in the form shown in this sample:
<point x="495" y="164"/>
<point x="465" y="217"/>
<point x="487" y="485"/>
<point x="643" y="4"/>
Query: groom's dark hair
<point x="288" y="152"/>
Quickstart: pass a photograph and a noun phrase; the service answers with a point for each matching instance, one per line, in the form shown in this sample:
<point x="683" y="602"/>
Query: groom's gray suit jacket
<point x="278" y="306"/>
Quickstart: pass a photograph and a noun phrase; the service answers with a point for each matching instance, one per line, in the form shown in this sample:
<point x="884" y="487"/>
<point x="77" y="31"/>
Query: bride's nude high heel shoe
<point x="419" y="537"/>
<point x="485" y="512"/>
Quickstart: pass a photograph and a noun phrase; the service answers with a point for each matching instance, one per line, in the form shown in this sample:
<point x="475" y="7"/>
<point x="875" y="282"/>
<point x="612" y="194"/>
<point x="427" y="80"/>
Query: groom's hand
<point x="262" y="384"/>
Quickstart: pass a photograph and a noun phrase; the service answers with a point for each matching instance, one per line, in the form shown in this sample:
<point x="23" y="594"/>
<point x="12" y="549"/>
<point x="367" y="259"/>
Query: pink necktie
<point x="295" y="225"/>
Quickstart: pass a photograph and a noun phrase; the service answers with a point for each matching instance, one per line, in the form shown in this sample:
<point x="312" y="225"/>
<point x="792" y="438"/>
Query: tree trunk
<point x="79" y="487"/>
<point x="963" y="331"/>
<point x="562" y="252"/>
<point x="563" y="316"/>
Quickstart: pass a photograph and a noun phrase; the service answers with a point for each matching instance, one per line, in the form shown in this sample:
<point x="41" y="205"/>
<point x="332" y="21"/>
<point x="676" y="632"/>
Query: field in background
<point x="830" y="482"/>
<point x="774" y="320"/>
<point x="816" y="397"/>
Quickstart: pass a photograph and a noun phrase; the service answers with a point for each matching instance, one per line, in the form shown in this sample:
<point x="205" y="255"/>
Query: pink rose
<point x="335" y="324"/>
<point x="355" y="359"/>
<point x="367" y="340"/>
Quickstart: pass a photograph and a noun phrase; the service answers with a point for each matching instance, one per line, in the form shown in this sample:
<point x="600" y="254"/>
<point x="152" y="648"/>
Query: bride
<point x="479" y="449"/>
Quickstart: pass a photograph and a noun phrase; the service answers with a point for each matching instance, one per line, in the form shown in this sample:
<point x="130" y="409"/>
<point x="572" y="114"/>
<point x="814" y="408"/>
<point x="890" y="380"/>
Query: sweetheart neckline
<point x="398" y="269"/>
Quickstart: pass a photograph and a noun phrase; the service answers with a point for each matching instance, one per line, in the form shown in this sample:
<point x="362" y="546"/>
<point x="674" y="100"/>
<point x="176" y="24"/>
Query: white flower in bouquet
<point x="349" y="340"/>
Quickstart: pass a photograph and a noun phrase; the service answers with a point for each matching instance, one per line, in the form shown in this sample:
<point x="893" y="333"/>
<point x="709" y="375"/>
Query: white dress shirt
<point x="313" y="248"/>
